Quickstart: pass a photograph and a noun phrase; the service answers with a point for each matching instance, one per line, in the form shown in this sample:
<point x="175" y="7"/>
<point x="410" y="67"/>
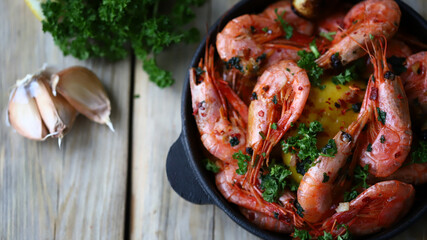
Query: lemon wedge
<point x="36" y="8"/>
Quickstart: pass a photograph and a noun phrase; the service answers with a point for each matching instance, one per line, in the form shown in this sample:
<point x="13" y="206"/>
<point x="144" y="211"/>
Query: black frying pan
<point x="184" y="167"/>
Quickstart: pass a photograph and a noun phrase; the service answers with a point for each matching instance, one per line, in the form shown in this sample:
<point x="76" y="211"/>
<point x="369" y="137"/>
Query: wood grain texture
<point x="79" y="191"/>
<point x="157" y="211"/>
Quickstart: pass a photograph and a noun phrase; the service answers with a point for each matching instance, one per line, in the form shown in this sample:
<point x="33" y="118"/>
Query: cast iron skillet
<point x="193" y="182"/>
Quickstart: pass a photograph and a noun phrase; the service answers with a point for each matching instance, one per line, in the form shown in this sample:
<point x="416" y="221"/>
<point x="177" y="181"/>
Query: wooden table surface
<point x="100" y="184"/>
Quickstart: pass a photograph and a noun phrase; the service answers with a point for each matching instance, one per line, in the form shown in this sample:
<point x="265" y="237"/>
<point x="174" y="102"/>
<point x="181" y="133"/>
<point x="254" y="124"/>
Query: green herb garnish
<point x="330" y="149"/>
<point x="301" y="234"/>
<point x="419" y="155"/>
<point x="314" y="72"/>
<point x="242" y="162"/>
<point x="274" y="182"/>
<point x="286" y="26"/>
<point x="211" y="166"/>
<point x="110" y="29"/>
<point x="381" y="115"/>
<point x="327" y="35"/>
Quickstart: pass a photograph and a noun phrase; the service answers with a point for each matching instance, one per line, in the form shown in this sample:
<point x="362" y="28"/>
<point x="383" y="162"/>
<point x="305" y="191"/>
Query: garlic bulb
<point x="37" y="112"/>
<point x="84" y="91"/>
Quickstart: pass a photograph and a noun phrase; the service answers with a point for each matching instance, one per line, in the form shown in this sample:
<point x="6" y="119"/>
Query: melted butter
<point x="332" y="107"/>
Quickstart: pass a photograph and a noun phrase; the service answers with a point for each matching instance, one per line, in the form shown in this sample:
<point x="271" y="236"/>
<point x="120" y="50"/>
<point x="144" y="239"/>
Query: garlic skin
<point x="23" y="112"/>
<point x="84" y="91"/>
<point x="57" y="114"/>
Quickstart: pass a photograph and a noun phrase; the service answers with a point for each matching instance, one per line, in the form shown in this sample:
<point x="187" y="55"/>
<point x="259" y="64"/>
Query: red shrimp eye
<point x="300" y="88"/>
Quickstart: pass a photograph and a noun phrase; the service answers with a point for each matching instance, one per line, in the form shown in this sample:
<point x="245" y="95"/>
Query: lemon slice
<point x="35" y="6"/>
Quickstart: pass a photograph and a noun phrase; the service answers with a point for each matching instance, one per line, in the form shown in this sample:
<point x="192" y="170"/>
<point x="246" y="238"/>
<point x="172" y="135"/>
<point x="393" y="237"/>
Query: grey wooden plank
<point x="77" y="192"/>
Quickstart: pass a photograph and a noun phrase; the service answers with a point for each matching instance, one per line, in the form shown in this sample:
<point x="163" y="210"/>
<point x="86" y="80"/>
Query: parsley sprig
<point x="108" y="29"/>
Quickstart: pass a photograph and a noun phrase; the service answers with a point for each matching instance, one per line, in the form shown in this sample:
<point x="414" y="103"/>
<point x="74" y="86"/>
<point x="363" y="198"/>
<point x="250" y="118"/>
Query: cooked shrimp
<point x="415" y="80"/>
<point x="249" y="36"/>
<point x="415" y="173"/>
<point x="315" y="195"/>
<point x="366" y="19"/>
<point x="389" y="135"/>
<point x="279" y="98"/>
<point x="271" y="223"/>
<point x="380" y="206"/>
<point x="266" y="222"/>
<point x="222" y="128"/>
<point x="229" y="183"/>
<point x="243" y="37"/>
<point x="284" y="9"/>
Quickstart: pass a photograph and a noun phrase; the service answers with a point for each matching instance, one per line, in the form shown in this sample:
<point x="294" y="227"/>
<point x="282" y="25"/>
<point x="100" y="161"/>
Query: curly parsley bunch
<point x="108" y="28"/>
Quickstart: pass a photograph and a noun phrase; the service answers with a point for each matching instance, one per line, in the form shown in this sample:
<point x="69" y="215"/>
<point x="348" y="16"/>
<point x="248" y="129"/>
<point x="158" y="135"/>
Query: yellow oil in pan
<point x="335" y="107"/>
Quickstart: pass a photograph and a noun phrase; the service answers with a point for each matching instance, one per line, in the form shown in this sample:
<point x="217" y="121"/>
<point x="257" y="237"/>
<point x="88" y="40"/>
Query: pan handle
<point x="181" y="176"/>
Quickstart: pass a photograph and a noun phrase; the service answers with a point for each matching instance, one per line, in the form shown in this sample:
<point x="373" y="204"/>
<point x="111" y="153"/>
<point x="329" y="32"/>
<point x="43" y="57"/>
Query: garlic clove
<point x="57" y="114"/>
<point x="23" y="112"/>
<point x="84" y="91"/>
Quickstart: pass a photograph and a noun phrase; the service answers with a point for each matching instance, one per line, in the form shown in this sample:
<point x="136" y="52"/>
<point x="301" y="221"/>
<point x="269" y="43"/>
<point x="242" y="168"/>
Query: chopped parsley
<point x="274" y="182"/>
<point x="348" y="75"/>
<point x="330" y="149"/>
<point x="304" y="143"/>
<point x="327" y="35"/>
<point x="371" y="36"/>
<point x="300" y="210"/>
<point x="381" y="115"/>
<point x="314" y="72"/>
<point x="301" y="234"/>
<point x="397" y="64"/>
<point x="346" y="235"/>
<point x="234" y="62"/>
<point x="211" y="165"/>
<point x="274" y="126"/>
<point x="262" y="135"/>
<point x="265" y="29"/>
<point x="419" y="155"/>
<point x="348" y="196"/>
<point x="313" y="48"/>
<point x="242" y="162"/>
<point x="360" y="177"/>
<point x="326" y="236"/>
<point x="286" y="26"/>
